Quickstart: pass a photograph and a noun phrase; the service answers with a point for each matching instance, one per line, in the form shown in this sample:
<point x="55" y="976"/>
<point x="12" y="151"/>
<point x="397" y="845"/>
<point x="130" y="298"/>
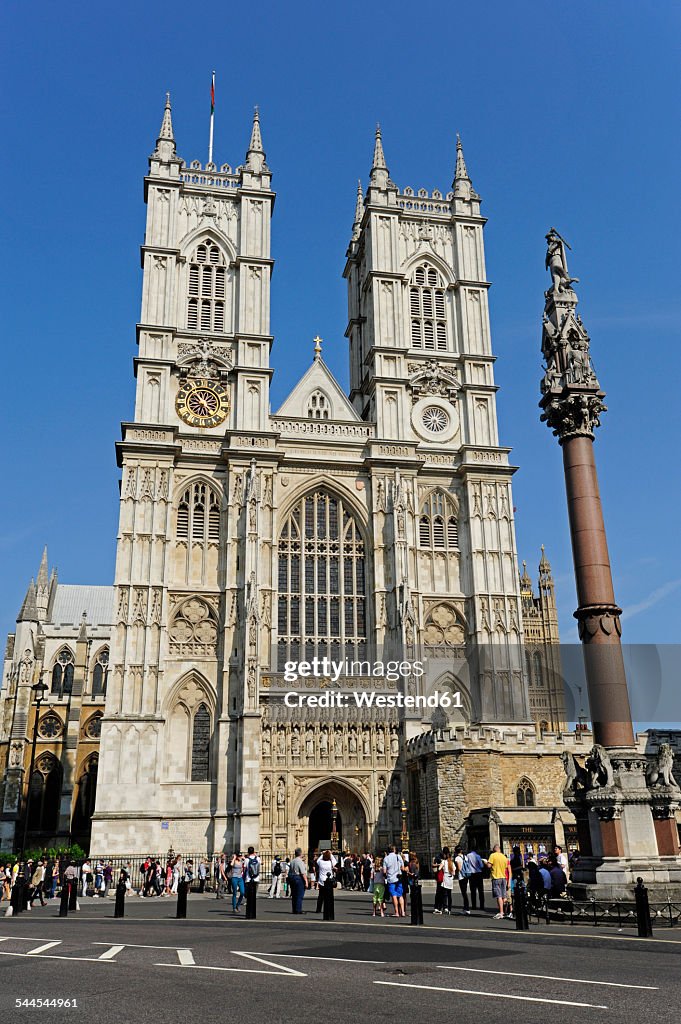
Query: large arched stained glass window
<point x="322" y="600"/>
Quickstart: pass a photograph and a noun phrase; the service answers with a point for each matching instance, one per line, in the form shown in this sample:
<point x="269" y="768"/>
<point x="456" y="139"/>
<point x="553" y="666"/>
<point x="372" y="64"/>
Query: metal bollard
<point x="119" y="908"/>
<point x="416" y="904"/>
<point x="64" y="901"/>
<point x="522" y="922"/>
<point x="182" y="887"/>
<point x="645" y="927"/>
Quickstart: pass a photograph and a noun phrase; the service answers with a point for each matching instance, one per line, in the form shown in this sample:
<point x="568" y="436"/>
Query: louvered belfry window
<point x="427" y="309"/>
<point x="438" y="524"/>
<point x="206" y="299"/>
<point x="322" y="587"/>
<point x="198" y="514"/>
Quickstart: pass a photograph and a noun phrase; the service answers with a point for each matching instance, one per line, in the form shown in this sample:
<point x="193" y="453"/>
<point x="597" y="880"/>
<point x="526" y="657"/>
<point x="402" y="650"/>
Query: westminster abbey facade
<point x="376" y="524"/>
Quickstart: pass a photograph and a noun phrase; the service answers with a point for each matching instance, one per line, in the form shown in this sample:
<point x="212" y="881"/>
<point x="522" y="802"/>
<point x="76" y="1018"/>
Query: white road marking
<point x="136" y="945"/>
<point x="547" y="977"/>
<point x="492" y="995"/>
<point x="269" y="963"/>
<point x="185" y="957"/>
<point x="55" y="956"/>
<point x="109" y="953"/>
<point x="45" y="945"/>
<point x="235" y="970"/>
<point x="335" y="959"/>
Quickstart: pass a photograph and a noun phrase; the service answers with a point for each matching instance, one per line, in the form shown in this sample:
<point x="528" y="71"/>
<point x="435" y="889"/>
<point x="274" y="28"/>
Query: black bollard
<point x="119" y="908"/>
<point x="416" y="904"/>
<point x="182" y="888"/>
<point x="64" y="901"/>
<point x="522" y="922"/>
<point x="73" y="894"/>
<point x="328" y="904"/>
<point x="17" y="898"/>
<point x="251" y="901"/>
<point x="645" y="926"/>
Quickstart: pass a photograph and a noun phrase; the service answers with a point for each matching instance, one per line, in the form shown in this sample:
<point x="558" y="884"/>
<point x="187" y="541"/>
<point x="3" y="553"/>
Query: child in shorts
<point x="378" y="889"/>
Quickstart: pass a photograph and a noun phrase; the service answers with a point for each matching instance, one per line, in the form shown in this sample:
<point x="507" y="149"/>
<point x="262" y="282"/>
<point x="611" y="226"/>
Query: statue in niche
<point x="396" y="793"/>
<point x="352" y="742"/>
<point x="380" y="742"/>
<point x="281" y="801"/>
<point x="281" y="741"/>
<point x="309" y="745"/>
<point x="266" y="743"/>
<point x="324" y="742"/>
<point x="266" y="794"/>
<point x="366" y="742"/>
<point x="338" y="741"/>
<point x="394" y="743"/>
<point x="295" y="742"/>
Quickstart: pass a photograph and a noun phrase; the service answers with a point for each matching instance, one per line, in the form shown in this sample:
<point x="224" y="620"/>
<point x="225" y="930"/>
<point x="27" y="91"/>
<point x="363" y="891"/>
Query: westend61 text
<point x="370" y="698"/>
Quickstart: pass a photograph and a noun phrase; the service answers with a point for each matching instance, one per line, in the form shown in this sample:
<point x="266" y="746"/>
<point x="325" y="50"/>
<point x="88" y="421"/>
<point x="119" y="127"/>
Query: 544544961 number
<point x="45" y="1004"/>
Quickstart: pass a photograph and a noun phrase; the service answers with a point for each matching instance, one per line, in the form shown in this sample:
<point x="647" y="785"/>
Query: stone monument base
<point x="612" y="878"/>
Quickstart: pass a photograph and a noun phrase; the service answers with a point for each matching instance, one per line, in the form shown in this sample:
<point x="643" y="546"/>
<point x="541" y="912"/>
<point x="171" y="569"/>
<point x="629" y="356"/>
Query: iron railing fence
<point x="620" y="913"/>
<point x="133" y="862"/>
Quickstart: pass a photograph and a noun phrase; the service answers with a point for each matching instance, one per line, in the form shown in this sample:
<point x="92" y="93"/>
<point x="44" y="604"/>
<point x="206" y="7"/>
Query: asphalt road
<point x="215" y="965"/>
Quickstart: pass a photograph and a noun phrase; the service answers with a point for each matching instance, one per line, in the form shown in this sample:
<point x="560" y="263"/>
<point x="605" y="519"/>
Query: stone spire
<point x="165" y="143"/>
<point x="82" y="632"/>
<point x="29" y="609"/>
<point x="379" y="169"/>
<point x="255" y="157"/>
<point x="525" y="581"/>
<point x="359" y="212"/>
<point x="544" y="564"/>
<point x="462" y="185"/>
<point x="43" y="588"/>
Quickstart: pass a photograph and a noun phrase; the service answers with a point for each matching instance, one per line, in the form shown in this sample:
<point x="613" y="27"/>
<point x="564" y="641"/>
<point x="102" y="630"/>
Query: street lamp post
<point x="405" y="834"/>
<point x="38" y="689"/>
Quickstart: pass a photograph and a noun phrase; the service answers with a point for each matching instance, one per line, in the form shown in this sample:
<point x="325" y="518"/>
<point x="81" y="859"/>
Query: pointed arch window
<point x="438" y="523"/>
<point x="201" y="744"/>
<point x="100" y="673"/>
<point x="525" y="795"/>
<point x="538" y="669"/>
<point x="427" y="309"/>
<point x="206" y="298"/>
<point x="198" y="515"/>
<point x="45" y="783"/>
<point x="62" y="673"/>
<point x="322" y="582"/>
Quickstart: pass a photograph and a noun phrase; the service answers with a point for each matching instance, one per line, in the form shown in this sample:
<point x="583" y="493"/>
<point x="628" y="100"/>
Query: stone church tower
<point x="371" y="527"/>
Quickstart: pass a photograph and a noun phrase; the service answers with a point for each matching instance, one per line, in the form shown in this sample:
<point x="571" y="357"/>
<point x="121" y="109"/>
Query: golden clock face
<point x="202" y="402"/>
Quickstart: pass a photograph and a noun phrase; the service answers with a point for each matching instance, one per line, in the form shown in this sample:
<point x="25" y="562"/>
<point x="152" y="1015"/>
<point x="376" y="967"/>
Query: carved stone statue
<point x="599" y="768"/>
<point x="380" y="742"/>
<point x="366" y="742"/>
<point x="281" y="801"/>
<point x="576" y="774"/>
<point x="281" y="741"/>
<point x="295" y="742"/>
<point x="352" y="742"/>
<point x="394" y="743"/>
<point x="556" y="262"/>
<point x="660" y="774"/>
<point x="266" y="743"/>
<point x="323" y="743"/>
<point x="309" y="744"/>
<point x="15" y="755"/>
<point x="266" y="794"/>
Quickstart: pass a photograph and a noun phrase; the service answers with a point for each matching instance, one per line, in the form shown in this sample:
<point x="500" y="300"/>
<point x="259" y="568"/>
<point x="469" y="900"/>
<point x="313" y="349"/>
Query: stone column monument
<point x="625" y="808"/>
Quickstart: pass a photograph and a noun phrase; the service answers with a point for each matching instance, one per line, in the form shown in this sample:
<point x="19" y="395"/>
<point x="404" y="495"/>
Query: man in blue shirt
<point x="475" y="879"/>
<point x="546" y="877"/>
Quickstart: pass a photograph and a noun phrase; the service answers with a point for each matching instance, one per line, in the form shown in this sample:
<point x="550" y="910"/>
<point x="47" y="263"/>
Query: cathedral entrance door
<point x="320" y="827"/>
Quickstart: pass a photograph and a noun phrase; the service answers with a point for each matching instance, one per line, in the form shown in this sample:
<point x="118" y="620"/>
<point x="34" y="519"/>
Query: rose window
<point x="50" y="726"/>
<point x="435" y="419"/>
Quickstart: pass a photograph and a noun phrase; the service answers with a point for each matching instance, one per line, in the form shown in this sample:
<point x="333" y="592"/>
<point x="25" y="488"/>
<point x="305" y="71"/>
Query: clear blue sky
<point x="569" y="116"/>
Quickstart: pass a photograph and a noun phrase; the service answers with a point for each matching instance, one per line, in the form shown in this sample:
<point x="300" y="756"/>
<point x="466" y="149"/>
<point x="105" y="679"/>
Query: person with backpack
<point x="463" y="871"/>
<point x="251" y="878"/>
<point x="273" y="892"/>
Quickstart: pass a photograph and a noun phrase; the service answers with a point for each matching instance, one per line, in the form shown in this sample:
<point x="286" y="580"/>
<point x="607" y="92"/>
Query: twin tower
<point x="371" y="525"/>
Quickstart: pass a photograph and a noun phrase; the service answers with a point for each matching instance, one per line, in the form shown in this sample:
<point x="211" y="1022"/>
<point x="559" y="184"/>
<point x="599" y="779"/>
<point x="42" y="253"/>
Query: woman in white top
<point x="447" y="867"/>
<point x="326" y="865"/>
<point x="325" y="875"/>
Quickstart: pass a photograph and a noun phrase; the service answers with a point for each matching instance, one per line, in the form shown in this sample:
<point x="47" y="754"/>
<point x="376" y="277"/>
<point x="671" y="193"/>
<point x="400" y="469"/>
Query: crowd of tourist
<point x="391" y="878"/>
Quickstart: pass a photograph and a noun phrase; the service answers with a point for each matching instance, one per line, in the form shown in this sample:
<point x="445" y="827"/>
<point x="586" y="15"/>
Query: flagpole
<point x="212" y="117"/>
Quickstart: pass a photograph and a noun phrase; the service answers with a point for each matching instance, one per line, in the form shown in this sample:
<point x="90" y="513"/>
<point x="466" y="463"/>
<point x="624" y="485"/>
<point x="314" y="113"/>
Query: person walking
<point x="236" y="874"/>
<point x="221" y="878"/>
<point x="285" y="866"/>
<point x="498" y="865"/>
<point x="36" y="890"/>
<point x="447" y="880"/>
<point x="274" y="893"/>
<point x="203" y="872"/>
<point x="393" y="865"/>
<point x="252" y="878"/>
<point x="298" y="881"/>
<point x="378" y="887"/>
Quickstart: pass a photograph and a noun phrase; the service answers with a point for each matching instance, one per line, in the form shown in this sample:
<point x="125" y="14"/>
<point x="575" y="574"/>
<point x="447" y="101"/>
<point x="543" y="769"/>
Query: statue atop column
<point x="572" y="400"/>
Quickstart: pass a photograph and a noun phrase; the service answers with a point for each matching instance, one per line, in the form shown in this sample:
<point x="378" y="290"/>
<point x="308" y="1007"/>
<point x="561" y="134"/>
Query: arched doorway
<point x="321" y="826"/>
<point x="315" y="817"/>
